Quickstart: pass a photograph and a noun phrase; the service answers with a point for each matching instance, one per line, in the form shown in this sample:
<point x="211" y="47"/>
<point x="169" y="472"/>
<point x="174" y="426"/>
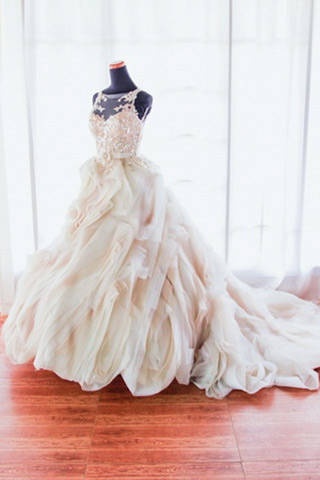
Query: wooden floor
<point x="51" y="429"/>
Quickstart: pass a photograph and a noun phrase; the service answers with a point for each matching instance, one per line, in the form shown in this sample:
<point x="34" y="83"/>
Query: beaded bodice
<point x="119" y="135"/>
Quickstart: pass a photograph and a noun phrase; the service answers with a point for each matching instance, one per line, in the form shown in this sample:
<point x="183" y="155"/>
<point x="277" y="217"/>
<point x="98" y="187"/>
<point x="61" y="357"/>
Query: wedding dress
<point x="130" y="287"/>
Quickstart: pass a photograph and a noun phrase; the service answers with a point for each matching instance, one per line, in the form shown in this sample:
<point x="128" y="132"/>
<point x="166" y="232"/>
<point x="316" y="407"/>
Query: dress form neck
<point x="121" y="81"/>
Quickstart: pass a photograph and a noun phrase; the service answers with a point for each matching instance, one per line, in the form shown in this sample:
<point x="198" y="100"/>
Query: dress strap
<point x="131" y="95"/>
<point x="96" y="102"/>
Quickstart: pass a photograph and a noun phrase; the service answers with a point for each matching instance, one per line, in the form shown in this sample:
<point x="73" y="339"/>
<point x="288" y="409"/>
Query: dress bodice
<point x="119" y="135"/>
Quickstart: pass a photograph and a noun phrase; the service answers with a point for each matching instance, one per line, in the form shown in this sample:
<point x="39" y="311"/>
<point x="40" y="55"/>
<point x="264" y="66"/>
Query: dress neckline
<point x="115" y="95"/>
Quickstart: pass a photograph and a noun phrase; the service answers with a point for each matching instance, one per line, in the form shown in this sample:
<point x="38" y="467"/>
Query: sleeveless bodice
<point x="118" y="136"/>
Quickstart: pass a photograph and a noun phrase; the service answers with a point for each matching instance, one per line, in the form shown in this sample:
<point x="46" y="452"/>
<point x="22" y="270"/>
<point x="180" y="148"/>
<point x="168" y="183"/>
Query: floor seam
<point x="236" y="440"/>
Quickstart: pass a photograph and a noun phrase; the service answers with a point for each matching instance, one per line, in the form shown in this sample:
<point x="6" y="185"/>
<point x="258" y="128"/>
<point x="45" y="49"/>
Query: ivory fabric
<point x="129" y="286"/>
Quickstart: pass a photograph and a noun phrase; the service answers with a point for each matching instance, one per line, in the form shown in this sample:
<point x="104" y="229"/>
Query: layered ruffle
<point x="130" y="287"/>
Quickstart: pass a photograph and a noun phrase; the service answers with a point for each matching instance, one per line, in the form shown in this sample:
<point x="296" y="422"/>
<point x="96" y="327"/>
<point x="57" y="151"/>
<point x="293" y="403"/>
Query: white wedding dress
<point x="130" y="287"/>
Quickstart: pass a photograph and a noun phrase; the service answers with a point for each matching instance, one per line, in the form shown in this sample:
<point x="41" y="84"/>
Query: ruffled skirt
<point x="130" y="287"/>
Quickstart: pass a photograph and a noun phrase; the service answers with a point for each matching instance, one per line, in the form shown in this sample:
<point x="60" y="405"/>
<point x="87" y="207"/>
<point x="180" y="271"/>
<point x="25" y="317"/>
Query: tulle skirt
<point x="130" y="287"/>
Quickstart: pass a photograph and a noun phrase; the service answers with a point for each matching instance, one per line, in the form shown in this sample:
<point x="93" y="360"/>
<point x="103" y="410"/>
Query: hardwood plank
<point x="163" y="413"/>
<point x="40" y="476"/>
<point x="37" y="470"/>
<point x="276" y="399"/>
<point x="156" y="435"/>
<point x="284" y="470"/>
<point x="163" y="443"/>
<point x="278" y="440"/>
<point x="43" y="455"/>
<point x="276" y="423"/>
<point x="34" y="414"/>
<point x="163" y="454"/>
<point x="27" y="374"/>
<point x="185" y="471"/>
<point x="65" y="394"/>
<point x="42" y="400"/>
<point x="49" y="436"/>
<point x="43" y="463"/>
<point x="62" y="388"/>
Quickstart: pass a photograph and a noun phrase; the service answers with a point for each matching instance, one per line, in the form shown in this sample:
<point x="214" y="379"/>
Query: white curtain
<point x="236" y="87"/>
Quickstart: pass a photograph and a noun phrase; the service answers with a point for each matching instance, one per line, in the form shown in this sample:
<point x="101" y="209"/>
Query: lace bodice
<point x="118" y="136"/>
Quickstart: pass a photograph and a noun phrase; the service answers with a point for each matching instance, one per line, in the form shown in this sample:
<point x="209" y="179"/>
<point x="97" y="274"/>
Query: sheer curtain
<point x="233" y="125"/>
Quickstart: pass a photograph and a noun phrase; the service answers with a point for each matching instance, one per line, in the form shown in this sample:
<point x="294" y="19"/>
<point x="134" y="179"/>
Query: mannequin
<point x="121" y="83"/>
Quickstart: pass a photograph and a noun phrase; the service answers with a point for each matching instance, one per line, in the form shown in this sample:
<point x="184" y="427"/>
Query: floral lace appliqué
<point x="118" y="136"/>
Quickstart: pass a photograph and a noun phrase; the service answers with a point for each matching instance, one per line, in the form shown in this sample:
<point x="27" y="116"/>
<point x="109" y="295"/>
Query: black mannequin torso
<point x="121" y="84"/>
